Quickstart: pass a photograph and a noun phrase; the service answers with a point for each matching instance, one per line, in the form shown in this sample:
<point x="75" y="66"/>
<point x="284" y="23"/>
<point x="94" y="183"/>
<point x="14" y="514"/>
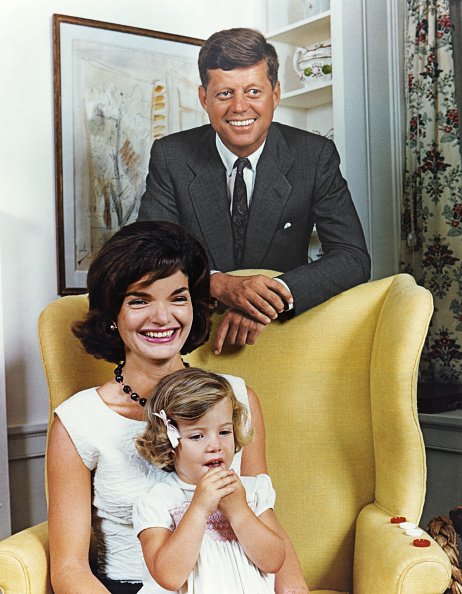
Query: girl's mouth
<point x="214" y="463"/>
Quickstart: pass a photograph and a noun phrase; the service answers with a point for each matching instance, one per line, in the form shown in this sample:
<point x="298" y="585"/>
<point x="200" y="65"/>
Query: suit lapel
<point x="210" y="201"/>
<point x="272" y="189"/>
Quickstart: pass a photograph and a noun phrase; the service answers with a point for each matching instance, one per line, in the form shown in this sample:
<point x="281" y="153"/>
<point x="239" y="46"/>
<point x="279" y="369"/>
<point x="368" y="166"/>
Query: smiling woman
<point x="149" y="303"/>
<point x="155" y="319"/>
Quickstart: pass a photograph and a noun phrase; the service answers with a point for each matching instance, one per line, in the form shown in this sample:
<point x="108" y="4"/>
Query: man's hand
<point x="260" y="297"/>
<point x="236" y="328"/>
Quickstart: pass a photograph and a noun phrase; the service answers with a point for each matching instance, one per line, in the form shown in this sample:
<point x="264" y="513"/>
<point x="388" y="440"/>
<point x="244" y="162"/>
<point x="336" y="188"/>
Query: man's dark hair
<point x="237" y="48"/>
<point x="148" y="250"/>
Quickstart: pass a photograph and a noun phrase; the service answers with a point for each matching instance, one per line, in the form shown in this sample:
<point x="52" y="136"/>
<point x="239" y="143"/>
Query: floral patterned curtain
<point x="431" y="247"/>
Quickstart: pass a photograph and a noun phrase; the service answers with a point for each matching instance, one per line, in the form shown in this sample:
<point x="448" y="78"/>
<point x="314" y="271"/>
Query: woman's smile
<point x="159" y="335"/>
<point x="155" y="319"/>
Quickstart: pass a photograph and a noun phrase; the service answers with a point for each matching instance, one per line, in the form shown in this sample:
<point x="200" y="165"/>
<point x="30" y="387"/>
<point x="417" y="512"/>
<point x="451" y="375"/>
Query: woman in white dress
<point x="149" y="303"/>
<point x="204" y="530"/>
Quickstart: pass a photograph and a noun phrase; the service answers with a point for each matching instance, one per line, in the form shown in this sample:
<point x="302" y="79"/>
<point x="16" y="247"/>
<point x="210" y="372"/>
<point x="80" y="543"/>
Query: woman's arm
<point x="289" y="579"/>
<point x="69" y="516"/>
<point x="254" y="455"/>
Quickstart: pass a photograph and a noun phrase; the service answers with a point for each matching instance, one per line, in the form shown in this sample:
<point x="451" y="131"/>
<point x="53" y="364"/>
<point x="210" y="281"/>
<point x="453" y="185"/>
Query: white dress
<point x="222" y="566"/>
<point x="105" y="442"/>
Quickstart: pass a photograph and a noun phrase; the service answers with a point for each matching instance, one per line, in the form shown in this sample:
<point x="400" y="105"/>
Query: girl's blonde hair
<point x="186" y="395"/>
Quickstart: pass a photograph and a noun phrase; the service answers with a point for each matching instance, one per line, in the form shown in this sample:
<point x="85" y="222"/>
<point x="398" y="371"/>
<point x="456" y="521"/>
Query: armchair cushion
<point x="24" y="562"/>
<point x="386" y="560"/>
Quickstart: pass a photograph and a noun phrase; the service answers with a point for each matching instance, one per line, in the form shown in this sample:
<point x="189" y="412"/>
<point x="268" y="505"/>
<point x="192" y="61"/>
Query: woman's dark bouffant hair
<point x="149" y="249"/>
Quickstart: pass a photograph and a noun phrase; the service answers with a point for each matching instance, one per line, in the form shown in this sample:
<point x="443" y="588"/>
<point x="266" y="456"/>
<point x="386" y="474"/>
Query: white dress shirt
<point x="249" y="173"/>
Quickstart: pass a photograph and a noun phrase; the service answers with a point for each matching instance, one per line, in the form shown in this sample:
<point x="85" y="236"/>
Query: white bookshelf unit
<point x="360" y="107"/>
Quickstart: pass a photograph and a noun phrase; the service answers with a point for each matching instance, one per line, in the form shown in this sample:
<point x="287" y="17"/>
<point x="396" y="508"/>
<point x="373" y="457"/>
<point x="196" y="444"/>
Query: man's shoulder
<point x="297" y="135"/>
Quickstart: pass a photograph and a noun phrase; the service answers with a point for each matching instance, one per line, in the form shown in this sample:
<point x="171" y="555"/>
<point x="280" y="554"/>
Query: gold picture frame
<point x="116" y="89"/>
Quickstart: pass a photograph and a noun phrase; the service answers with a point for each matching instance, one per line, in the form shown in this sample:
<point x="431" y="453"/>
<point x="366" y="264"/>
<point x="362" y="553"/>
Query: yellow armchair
<point x="345" y="450"/>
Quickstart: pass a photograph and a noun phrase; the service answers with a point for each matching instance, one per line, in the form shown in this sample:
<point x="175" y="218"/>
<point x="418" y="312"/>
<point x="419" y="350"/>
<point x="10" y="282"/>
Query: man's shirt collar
<point x="229" y="158"/>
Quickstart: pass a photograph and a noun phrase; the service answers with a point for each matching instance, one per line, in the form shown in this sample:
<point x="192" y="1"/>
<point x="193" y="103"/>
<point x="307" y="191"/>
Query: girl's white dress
<point x="222" y="566"/>
<point x="105" y="442"/>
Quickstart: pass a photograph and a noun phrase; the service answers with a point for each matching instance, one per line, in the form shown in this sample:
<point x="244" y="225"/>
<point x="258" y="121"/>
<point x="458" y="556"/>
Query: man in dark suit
<point x="259" y="214"/>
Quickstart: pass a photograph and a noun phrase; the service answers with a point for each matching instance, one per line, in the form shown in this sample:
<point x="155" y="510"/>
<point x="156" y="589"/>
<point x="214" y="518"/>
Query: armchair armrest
<point x="24" y="562"/>
<point x="385" y="559"/>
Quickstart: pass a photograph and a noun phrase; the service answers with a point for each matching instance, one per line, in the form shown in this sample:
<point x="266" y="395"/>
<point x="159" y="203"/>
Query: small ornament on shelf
<point x="313" y="62"/>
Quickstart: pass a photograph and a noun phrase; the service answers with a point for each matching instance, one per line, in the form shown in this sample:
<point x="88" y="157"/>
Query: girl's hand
<point x="214" y="485"/>
<point x="236" y="502"/>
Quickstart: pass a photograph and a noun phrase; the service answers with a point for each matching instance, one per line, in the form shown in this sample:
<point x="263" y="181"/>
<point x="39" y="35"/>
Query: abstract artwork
<point x="117" y="89"/>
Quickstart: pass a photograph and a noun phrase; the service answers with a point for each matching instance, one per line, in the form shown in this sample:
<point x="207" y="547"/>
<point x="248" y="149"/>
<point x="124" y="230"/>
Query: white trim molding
<point x="27" y="441"/>
<point x="27" y="446"/>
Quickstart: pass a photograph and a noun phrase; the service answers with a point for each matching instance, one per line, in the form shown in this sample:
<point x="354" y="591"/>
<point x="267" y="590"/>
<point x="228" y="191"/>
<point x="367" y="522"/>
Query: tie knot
<point x="241" y="163"/>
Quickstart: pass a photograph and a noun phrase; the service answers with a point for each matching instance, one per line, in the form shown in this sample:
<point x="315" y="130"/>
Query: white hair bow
<point x="172" y="432"/>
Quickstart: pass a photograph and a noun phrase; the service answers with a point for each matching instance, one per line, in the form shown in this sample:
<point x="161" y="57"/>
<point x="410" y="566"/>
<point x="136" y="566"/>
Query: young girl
<point x="203" y="530"/>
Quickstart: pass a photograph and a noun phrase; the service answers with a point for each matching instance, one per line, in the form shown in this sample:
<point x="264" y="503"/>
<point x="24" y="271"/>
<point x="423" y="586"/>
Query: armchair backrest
<point x="68" y="368"/>
<point x="338" y="390"/>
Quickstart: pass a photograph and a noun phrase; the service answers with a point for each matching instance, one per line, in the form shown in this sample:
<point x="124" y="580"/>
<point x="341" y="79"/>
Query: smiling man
<point x="251" y="190"/>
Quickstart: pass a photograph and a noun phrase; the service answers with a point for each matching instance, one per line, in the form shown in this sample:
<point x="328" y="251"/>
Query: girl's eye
<point x="180" y="299"/>
<point x="226" y="432"/>
<point x="195" y="437"/>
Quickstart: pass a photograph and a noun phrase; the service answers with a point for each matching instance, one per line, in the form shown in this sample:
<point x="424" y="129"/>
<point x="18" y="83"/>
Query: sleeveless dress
<point x="222" y="566"/>
<point x="105" y="442"/>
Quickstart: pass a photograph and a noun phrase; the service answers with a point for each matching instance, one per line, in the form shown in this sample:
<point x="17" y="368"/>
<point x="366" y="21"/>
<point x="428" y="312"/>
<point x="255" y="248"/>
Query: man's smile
<point x="239" y="123"/>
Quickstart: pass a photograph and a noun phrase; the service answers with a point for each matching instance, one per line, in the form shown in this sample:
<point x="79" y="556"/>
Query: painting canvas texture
<point x="117" y="101"/>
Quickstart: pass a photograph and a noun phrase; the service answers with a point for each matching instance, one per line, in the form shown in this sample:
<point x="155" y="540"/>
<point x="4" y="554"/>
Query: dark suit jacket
<point x="298" y="184"/>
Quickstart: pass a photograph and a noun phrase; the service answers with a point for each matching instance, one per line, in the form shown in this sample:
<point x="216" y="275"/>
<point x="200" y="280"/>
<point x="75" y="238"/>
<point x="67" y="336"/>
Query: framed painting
<point x="116" y="90"/>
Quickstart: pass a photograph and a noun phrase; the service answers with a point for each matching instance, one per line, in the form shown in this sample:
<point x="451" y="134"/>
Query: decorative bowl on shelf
<point x="314" y="63"/>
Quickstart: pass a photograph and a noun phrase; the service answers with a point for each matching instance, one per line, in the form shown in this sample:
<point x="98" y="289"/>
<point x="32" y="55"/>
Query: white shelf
<point x="304" y="32"/>
<point x="308" y="97"/>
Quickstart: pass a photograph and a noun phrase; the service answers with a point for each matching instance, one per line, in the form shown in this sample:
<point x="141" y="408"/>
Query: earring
<point x="113" y="326"/>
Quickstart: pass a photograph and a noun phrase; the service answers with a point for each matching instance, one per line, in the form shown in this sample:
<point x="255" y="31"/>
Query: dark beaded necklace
<point x="119" y="378"/>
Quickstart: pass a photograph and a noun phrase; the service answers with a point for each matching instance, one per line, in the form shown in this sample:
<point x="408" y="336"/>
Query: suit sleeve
<point x="158" y="202"/>
<point x="345" y="262"/>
